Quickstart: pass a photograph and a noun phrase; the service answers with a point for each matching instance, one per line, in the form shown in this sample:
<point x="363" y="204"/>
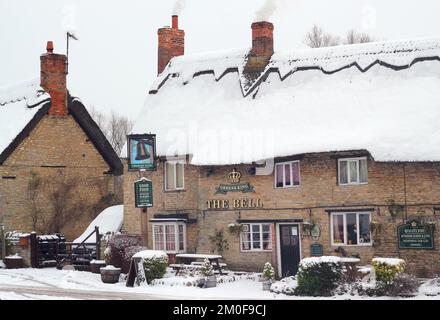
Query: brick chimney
<point x="262" y="39"/>
<point x="53" y="80"/>
<point x="262" y="49"/>
<point x="171" y="44"/>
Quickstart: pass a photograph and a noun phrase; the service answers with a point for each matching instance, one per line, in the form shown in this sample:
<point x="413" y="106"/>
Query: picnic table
<point x="195" y="261"/>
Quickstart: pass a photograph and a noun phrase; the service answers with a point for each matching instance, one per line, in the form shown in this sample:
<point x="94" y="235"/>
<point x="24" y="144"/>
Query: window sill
<point x="351" y="245"/>
<point x="353" y="184"/>
<point x="288" y="187"/>
<point x="175" y="190"/>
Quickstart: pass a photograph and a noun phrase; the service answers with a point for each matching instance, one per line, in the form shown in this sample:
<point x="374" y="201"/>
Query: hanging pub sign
<point x="143" y="193"/>
<point x="141" y="152"/>
<point x="415" y="235"/>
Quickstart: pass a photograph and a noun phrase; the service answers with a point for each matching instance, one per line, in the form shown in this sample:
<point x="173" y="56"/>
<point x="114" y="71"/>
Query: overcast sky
<point x="114" y="63"/>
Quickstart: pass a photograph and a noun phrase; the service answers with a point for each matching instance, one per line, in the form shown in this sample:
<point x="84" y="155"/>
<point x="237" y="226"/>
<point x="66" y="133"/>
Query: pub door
<point x="289" y="249"/>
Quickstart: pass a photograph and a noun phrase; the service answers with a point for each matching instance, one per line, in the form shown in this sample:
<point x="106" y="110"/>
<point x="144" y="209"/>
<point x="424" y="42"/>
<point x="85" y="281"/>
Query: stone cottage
<point x="57" y="169"/>
<point x="267" y="156"/>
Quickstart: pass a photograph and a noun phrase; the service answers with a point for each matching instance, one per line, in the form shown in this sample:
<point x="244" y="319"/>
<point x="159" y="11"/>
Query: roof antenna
<point x="68" y="36"/>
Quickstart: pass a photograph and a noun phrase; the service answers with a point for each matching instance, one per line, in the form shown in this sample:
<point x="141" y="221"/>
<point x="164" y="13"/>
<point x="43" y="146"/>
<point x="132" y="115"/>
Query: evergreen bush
<point x="387" y="269"/>
<point x="319" y="276"/>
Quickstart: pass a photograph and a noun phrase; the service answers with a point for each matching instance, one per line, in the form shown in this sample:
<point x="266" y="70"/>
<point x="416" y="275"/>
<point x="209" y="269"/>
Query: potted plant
<point x="235" y="228"/>
<point x="110" y="274"/>
<point x="268" y="276"/>
<point x="210" y="280"/>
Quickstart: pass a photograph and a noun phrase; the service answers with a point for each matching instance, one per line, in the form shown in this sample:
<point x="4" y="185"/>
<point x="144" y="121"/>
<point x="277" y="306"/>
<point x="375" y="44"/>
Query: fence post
<point x="2" y="236"/>
<point x="34" y="250"/>
<point x="98" y="243"/>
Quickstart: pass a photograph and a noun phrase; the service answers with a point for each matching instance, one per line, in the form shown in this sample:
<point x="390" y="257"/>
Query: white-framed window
<point x="169" y="237"/>
<point x="350" y="229"/>
<point x="287" y="174"/>
<point x="256" y="237"/>
<point x="353" y="171"/>
<point x="174" y="175"/>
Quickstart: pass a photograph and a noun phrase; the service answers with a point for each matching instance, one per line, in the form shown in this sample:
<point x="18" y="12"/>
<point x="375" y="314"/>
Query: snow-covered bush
<point x="207" y="270"/>
<point x="319" y="276"/>
<point x="117" y="245"/>
<point x="286" y="286"/>
<point x="155" y="264"/>
<point x="268" y="271"/>
<point x="387" y="269"/>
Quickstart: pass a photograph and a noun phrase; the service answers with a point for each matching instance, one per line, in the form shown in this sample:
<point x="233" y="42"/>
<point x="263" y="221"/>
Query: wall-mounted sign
<point x="143" y="193"/>
<point x="141" y="152"/>
<point x="234" y="177"/>
<point x="415" y="235"/>
<point x="315" y="232"/>
<point x="234" y="204"/>
<point x="316" y="250"/>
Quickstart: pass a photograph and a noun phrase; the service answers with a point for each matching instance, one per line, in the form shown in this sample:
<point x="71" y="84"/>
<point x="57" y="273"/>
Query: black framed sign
<point x="141" y="152"/>
<point x="415" y="235"/>
<point x="143" y="193"/>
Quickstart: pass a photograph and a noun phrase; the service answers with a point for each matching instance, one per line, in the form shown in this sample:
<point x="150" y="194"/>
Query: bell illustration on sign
<point x="142" y="150"/>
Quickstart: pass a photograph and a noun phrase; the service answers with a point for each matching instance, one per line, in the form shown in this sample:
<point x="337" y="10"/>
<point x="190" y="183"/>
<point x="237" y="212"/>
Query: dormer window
<point x="353" y="171"/>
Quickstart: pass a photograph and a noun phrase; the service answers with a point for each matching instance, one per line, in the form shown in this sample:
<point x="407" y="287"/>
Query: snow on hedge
<point x="310" y="262"/>
<point x="285" y="285"/>
<point x="151" y="254"/>
<point x="389" y="261"/>
<point x="387" y="112"/>
<point x="109" y="222"/>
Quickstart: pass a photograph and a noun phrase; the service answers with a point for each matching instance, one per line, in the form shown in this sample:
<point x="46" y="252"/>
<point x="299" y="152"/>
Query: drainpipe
<point x="404" y="188"/>
<point x="2" y="235"/>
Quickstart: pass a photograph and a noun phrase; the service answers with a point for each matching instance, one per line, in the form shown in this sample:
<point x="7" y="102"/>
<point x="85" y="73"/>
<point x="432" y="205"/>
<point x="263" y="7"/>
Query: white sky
<point x="114" y="63"/>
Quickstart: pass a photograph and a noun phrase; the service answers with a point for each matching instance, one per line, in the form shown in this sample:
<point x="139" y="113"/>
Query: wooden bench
<point x="194" y="260"/>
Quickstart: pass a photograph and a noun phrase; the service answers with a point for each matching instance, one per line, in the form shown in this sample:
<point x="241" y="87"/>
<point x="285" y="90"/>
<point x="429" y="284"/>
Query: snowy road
<point x="43" y="293"/>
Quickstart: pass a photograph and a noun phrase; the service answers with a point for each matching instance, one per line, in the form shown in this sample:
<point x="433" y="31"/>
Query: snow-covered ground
<point x="66" y="284"/>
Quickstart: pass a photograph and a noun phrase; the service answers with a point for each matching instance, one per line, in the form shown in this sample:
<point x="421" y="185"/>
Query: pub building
<point x="274" y="157"/>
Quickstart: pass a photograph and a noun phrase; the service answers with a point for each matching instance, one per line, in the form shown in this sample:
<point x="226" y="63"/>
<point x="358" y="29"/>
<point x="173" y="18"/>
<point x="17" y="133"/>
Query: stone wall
<point x="56" y="151"/>
<point x="318" y="194"/>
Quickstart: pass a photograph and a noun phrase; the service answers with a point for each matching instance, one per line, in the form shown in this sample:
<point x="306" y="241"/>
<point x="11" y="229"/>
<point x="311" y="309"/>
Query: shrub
<point x="155" y="264"/>
<point x="387" y="269"/>
<point x="319" y="276"/>
<point x="117" y="245"/>
<point x="403" y="285"/>
<point x="129" y="252"/>
<point x="268" y="271"/>
<point x="207" y="270"/>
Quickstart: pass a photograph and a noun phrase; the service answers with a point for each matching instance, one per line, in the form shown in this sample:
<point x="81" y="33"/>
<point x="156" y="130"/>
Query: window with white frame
<point x="256" y="237"/>
<point x="174" y="174"/>
<point x="287" y="174"/>
<point x="169" y="237"/>
<point x="353" y="171"/>
<point x="350" y="228"/>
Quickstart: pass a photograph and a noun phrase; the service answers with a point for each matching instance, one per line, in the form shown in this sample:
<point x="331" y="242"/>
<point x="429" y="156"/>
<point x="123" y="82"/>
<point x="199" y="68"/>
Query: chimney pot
<point x="49" y="47"/>
<point x="175" y="21"/>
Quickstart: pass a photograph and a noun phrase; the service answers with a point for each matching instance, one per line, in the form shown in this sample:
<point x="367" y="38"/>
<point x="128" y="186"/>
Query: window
<point x="287" y="174"/>
<point x="174" y="175"/>
<point x="256" y="237"/>
<point x="169" y="237"/>
<point x="353" y="171"/>
<point x="350" y="229"/>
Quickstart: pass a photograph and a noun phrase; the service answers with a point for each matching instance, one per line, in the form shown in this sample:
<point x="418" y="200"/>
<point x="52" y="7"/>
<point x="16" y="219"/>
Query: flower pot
<point x="110" y="275"/>
<point x="96" y="265"/>
<point x="266" y="285"/>
<point x="13" y="262"/>
<point x="210" y="282"/>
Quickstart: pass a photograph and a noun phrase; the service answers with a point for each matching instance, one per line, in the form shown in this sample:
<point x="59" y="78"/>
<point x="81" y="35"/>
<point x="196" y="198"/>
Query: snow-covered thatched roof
<point x="382" y="97"/>
<point x="18" y="106"/>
